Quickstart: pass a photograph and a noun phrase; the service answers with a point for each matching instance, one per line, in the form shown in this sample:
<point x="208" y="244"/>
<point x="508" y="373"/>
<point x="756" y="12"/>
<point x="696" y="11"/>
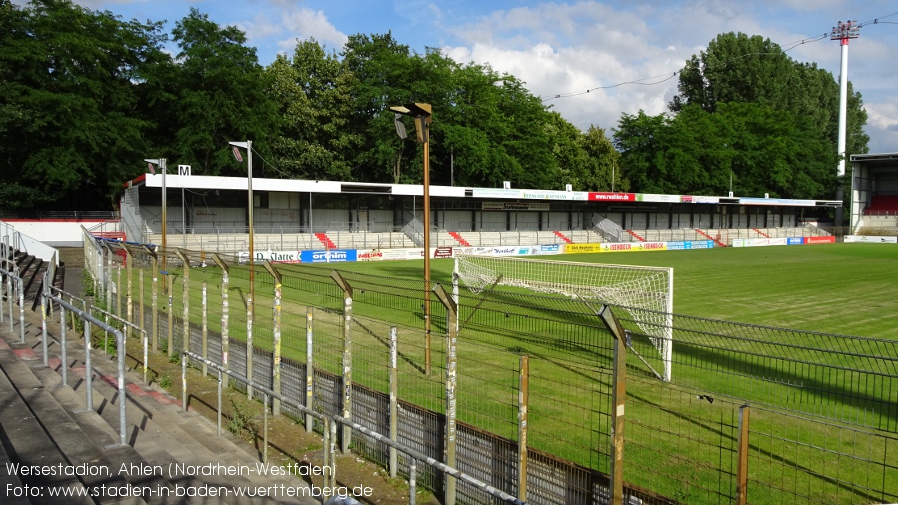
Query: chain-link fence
<point x="532" y="407"/>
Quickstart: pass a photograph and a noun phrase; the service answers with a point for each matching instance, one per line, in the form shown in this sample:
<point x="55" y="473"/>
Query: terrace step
<point x="159" y="433"/>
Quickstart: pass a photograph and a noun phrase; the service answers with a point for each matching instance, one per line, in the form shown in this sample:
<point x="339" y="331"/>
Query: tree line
<point x="86" y="95"/>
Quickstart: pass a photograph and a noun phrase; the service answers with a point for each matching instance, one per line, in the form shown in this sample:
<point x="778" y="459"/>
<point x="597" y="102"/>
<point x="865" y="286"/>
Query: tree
<point x="314" y="101"/>
<point x="66" y="103"/>
<point x="744" y="147"/>
<point x="220" y="91"/>
<point x="739" y="68"/>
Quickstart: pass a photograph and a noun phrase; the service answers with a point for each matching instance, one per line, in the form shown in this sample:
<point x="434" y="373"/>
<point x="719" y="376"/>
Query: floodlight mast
<point x="422" y="114"/>
<point x="248" y="145"/>
<point x="163" y="165"/>
<point x="843" y="32"/>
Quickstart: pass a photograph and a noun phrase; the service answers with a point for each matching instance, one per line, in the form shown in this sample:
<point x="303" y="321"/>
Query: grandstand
<point x="209" y="213"/>
<point x="874" y="194"/>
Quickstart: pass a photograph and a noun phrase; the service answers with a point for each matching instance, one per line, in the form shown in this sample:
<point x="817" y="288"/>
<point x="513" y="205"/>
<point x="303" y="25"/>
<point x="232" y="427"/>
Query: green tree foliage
<point x="745" y="111"/>
<point x="67" y="103"/>
<point x="746" y="147"/>
<point x="312" y="93"/>
<point x="220" y="96"/>
<point x="740" y="68"/>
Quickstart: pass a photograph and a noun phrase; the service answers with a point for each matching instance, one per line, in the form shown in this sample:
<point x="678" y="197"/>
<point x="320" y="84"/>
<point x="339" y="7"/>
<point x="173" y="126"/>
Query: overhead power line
<point x="786" y="48"/>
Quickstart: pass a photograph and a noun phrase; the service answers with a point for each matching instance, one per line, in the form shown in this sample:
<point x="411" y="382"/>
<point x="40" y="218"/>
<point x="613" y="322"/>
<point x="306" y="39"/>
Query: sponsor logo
<point x="612" y="197"/>
<point x="370" y="255"/>
<point x="549" y="248"/>
<point x="328" y="256"/>
<point x="443" y="252"/>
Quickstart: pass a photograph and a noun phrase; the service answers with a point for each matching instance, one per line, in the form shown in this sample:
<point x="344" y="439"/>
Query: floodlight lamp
<point x="400" y="128"/>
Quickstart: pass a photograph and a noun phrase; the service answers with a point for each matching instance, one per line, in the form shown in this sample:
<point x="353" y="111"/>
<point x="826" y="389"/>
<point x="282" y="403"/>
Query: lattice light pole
<point x="843" y="32"/>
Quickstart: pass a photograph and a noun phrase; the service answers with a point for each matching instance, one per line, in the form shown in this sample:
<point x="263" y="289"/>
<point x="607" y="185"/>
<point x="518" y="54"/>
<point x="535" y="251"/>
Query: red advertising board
<point x="820" y="240"/>
<point x="612" y="197"/>
<point x="443" y="252"/>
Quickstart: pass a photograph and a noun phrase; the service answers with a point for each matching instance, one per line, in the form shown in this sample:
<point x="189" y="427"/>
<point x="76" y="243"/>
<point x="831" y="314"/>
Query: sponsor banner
<point x="820" y="240"/>
<point x="794" y="241"/>
<point x="690" y="244"/>
<point x="328" y="256"/>
<point x="582" y="248"/>
<point x="759" y="242"/>
<point x="870" y="239"/>
<point x="399" y="254"/>
<point x="546" y="249"/>
<point x="616" y="247"/>
<point x="555" y="195"/>
<point x="648" y="197"/>
<point x="496" y="193"/>
<point x="515" y="206"/>
<point x="509" y="251"/>
<point x="269" y="255"/>
<point x="474" y="250"/>
<point x="612" y="197"/>
<point x="370" y="255"/>
<point x="443" y="252"/>
<point x="777" y="201"/>
<point x="701" y="199"/>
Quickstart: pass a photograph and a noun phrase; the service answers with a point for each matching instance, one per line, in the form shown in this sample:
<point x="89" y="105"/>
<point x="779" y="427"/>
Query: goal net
<point x="646" y="292"/>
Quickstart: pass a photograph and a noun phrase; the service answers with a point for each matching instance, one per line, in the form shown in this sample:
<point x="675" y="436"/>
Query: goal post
<point x="646" y="292"/>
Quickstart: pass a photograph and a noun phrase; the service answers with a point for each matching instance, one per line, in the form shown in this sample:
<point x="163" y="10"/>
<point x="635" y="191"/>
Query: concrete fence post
<point x="523" y="402"/>
<point x="310" y="367"/>
<point x="451" y="382"/>
<point x="394" y="400"/>
<point x="347" y="359"/>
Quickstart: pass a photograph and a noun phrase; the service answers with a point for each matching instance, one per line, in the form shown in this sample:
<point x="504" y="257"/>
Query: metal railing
<point x="330" y="430"/>
<point x="10" y="291"/>
<point x="88" y="320"/>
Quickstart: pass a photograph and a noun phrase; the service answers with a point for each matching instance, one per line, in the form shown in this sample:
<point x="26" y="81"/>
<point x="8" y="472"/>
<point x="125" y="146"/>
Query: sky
<point x="591" y="61"/>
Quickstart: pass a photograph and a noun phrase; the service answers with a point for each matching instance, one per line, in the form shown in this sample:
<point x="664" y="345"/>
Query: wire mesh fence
<point x="825" y="414"/>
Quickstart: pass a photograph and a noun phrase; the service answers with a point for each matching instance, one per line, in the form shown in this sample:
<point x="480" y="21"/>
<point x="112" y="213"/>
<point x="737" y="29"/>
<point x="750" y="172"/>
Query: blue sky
<point x="566" y="48"/>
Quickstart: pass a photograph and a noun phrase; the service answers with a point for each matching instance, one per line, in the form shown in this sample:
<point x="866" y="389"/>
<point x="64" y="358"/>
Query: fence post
<point x="21" y="284"/>
<point x="118" y="291"/>
<point x="129" y="297"/>
<point x="205" y="331"/>
<point x="88" y="369"/>
<point x="142" y="314"/>
<point x="394" y="400"/>
<point x="64" y="369"/>
<point x="185" y="315"/>
<point x="225" y="338"/>
<point x="170" y="281"/>
<point x="618" y="395"/>
<point x="523" y="402"/>
<point x="742" y="465"/>
<point x="310" y="370"/>
<point x="347" y="358"/>
<point x="44" y="303"/>
<point x="249" y="345"/>
<point x="276" y="339"/>
<point x="451" y="378"/>
<point x="155" y="302"/>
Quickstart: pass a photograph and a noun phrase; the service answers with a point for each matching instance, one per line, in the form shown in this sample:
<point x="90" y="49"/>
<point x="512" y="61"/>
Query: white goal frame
<point x="647" y="292"/>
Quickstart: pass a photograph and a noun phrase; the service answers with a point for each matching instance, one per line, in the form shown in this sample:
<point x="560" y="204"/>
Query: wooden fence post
<point x="742" y="465"/>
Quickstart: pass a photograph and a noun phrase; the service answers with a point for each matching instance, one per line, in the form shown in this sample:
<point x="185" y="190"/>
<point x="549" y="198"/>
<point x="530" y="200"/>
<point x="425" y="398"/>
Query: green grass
<point x="842" y="288"/>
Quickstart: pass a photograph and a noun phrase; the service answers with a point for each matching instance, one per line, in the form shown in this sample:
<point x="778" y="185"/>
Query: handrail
<point x="21" y="292"/>
<point x="408" y="451"/>
<point x="88" y="319"/>
<point x="328" y="446"/>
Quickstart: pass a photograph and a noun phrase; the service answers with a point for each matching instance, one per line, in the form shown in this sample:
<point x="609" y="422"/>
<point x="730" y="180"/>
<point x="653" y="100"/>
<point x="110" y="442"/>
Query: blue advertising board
<point x="332" y="256"/>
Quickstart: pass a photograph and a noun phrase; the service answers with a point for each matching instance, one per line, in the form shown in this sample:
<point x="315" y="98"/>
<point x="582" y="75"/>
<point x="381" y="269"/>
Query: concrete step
<point x="36" y="434"/>
<point x="163" y="434"/>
